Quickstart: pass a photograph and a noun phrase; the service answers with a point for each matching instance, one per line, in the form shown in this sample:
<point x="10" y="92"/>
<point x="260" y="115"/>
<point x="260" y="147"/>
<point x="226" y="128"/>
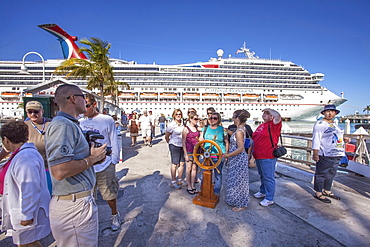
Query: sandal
<point x="195" y="191"/>
<point x="326" y="200"/>
<point x="236" y="209"/>
<point x="191" y="191"/>
<point x="331" y="194"/>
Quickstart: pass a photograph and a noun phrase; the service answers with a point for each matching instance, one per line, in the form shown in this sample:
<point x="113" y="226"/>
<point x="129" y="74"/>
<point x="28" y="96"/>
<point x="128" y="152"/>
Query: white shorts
<point x="146" y="132"/>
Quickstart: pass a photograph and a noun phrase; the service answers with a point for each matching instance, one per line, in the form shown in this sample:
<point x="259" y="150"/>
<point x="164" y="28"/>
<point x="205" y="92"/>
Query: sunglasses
<point x="82" y="95"/>
<point x="209" y="113"/>
<point x="213" y="118"/>
<point x="88" y="105"/>
<point x="196" y="119"/>
<point x="178" y="114"/>
<point x="191" y="112"/>
<point x="35" y="111"/>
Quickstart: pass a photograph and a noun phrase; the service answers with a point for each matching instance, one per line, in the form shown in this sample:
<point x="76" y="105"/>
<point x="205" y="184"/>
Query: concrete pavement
<point x="155" y="214"/>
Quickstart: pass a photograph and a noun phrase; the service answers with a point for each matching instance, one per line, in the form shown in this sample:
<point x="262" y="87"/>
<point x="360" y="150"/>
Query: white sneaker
<point x="182" y="182"/>
<point x="175" y="185"/>
<point x="266" y="203"/>
<point x="116" y="222"/>
<point x="259" y="195"/>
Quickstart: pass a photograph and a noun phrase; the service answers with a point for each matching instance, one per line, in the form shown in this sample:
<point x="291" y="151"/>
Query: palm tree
<point x="367" y="109"/>
<point x="97" y="70"/>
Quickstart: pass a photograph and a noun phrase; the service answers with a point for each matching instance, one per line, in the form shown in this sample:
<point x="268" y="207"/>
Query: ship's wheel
<point x="204" y="159"/>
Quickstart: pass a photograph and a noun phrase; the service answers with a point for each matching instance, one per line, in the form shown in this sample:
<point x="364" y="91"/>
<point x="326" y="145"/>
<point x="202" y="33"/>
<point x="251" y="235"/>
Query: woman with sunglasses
<point x="24" y="200"/>
<point x="237" y="190"/>
<point x="215" y="132"/>
<point x="37" y="125"/>
<point x="190" y="138"/>
<point x="174" y="139"/>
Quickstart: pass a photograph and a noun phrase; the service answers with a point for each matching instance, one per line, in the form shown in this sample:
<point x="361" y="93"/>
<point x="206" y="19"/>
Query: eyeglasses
<point x="191" y="112"/>
<point x="235" y="116"/>
<point x="196" y="119"/>
<point x="178" y="114"/>
<point x="82" y="95"/>
<point x="88" y="105"/>
<point x="209" y="113"/>
<point x="35" y="111"/>
<point x="213" y="118"/>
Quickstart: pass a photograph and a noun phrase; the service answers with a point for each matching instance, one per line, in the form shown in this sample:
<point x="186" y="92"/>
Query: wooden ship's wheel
<point x="204" y="159"/>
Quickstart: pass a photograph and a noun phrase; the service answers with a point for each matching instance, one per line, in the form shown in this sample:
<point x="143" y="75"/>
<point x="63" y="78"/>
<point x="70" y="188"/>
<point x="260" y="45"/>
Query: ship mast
<point x="248" y="53"/>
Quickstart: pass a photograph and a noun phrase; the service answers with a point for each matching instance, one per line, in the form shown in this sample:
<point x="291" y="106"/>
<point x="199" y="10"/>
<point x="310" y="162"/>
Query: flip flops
<point x="320" y="198"/>
<point x="331" y="195"/>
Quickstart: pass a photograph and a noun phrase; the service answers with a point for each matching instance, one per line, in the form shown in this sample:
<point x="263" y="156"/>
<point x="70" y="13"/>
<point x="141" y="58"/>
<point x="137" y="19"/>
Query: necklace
<point x="41" y="132"/>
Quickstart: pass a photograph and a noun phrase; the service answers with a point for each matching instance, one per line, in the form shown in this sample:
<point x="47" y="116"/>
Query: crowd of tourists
<point x="54" y="167"/>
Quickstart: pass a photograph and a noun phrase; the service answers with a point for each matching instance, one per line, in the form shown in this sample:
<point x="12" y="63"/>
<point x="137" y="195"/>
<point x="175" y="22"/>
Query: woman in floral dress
<point x="237" y="189"/>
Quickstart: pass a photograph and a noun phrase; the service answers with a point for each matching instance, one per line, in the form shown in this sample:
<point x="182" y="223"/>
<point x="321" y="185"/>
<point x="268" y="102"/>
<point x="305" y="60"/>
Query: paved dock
<point x="155" y="214"/>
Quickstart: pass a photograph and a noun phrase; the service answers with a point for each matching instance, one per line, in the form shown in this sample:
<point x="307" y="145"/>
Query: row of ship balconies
<point x="197" y="96"/>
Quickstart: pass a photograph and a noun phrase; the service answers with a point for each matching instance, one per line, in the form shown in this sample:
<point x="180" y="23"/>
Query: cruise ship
<point x="244" y="81"/>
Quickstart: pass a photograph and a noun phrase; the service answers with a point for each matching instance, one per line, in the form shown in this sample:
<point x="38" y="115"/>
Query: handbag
<point x="247" y="141"/>
<point x="343" y="162"/>
<point x="278" y="151"/>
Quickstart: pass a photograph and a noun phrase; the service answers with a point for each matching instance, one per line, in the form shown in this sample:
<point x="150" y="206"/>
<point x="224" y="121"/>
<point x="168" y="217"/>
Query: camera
<point x="92" y="136"/>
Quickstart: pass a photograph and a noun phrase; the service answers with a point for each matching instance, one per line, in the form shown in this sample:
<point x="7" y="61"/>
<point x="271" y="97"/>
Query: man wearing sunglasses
<point x="73" y="210"/>
<point x="37" y="125"/>
<point x="106" y="179"/>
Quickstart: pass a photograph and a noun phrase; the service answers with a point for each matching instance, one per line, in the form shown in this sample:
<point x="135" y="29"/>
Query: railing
<point x="299" y="148"/>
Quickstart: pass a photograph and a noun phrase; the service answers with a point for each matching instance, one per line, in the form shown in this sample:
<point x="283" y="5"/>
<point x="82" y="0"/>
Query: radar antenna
<point x="248" y="53"/>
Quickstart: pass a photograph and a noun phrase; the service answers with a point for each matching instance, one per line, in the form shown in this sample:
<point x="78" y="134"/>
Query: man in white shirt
<point x="106" y="179"/>
<point x="145" y="125"/>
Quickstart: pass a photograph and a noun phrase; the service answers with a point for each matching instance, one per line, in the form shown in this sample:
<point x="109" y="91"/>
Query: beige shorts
<point x="146" y="132"/>
<point x="107" y="183"/>
<point x="74" y="223"/>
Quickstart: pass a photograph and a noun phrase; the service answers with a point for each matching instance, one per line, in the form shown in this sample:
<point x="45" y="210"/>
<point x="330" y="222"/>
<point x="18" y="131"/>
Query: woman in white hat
<point x="328" y="149"/>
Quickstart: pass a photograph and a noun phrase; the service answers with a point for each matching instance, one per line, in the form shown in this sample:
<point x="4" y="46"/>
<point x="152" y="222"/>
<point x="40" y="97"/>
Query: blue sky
<point x="331" y="37"/>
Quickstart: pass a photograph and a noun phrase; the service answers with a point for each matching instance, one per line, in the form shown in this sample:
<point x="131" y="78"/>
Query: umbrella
<point x="137" y="111"/>
<point x="362" y="154"/>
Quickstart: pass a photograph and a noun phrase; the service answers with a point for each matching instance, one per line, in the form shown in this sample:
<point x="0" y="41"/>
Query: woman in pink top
<point x="190" y="138"/>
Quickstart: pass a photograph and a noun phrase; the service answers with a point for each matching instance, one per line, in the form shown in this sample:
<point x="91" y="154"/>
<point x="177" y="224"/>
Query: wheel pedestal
<point x="206" y="197"/>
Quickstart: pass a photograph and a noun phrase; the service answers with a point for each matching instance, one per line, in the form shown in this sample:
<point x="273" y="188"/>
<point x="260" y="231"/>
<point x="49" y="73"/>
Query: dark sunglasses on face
<point x="178" y="114"/>
<point x="35" y="111"/>
<point x="209" y="113"/>
<point x="196" y="119"/>
<point x="82" y="95"/>
<point x="213" y="118"/>
<point x="88" y="105"/>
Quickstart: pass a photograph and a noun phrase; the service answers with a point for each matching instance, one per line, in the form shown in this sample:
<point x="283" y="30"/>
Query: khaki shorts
<point x="107" y="183"/>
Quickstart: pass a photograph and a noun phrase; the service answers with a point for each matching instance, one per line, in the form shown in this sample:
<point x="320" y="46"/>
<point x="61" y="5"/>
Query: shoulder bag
<point x="278" y="151"/>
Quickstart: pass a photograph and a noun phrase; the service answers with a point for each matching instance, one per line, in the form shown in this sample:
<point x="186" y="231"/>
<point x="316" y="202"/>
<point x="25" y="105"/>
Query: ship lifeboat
<point x="10" y="94"/>
<point x="28" y="94"/>
<point x="271" y="97"/>
<point x="210" y="96"/>
<point x="148" y="95"/>
<point x="251" y="96"/>
<point x="232" y="96"/>
<point x="191" y="96"/>
<point x="168" y="96"/>
<point x="126" y="95"/>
